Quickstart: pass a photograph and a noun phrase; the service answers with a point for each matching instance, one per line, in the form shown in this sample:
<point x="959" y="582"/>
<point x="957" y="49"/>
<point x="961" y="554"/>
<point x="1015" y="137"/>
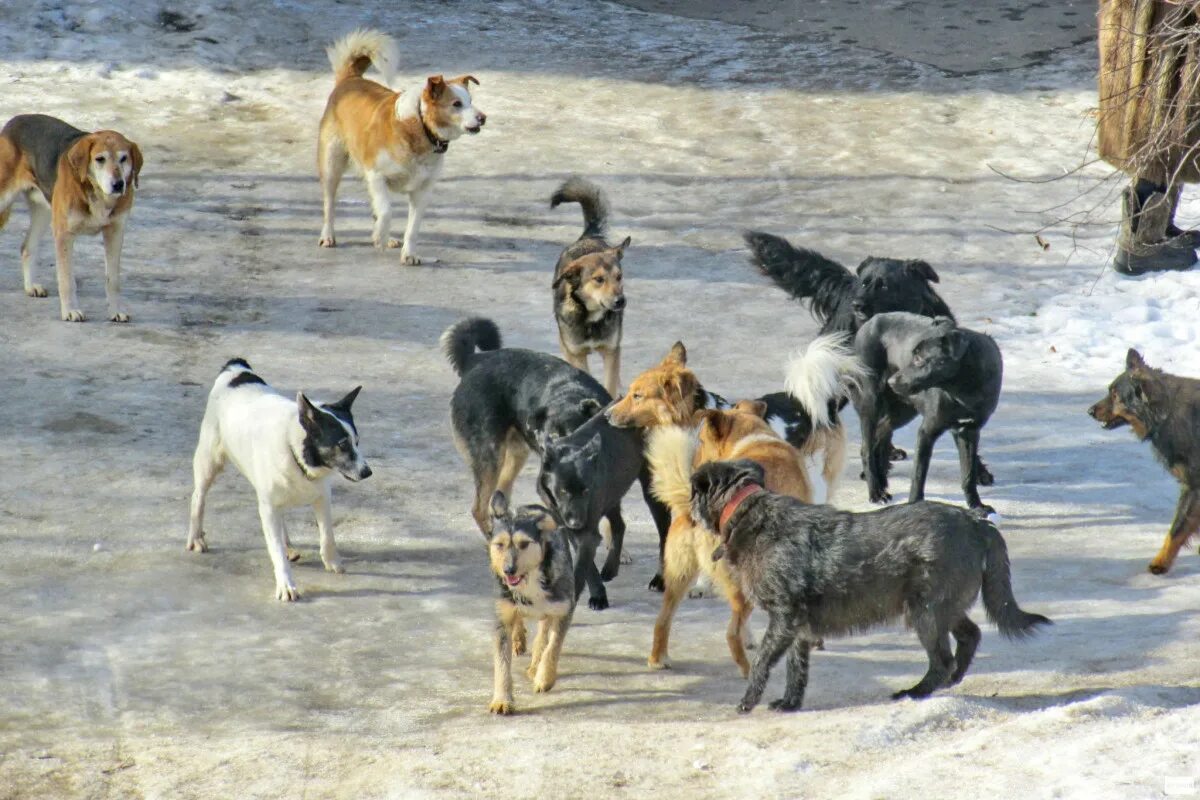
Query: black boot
<point x="1146" y="243"/>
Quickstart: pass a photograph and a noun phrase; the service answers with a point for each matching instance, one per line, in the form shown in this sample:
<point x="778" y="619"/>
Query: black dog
<point x="949" y="375"/>
<point x="841" y="300"/>
<point x="582" y="479"/>
<point x="818" y="571"/>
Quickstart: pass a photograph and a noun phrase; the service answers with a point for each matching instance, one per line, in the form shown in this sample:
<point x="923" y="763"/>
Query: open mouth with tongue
<point x="513" y="580"/>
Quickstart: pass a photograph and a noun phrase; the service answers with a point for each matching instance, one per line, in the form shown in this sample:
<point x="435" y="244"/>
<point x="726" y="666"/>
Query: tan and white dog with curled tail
<point x="397" y="139"/>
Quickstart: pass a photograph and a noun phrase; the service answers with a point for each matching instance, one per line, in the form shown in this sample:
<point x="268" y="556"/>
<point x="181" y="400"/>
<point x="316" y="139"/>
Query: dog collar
<point x="732" y="506"/>
<point x="300" y="463"/>
<point x="440" y="145"/>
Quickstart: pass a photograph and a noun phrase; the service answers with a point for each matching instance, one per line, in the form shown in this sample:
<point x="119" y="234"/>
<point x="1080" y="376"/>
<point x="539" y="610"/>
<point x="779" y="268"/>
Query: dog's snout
<point x="1093" y="410"/>
<point x="118" y="185"/>
<point x="364" y="473"/>
<point x="510" y="569"/>
<point x="619" y="303"/>
<point x="482" y="119"/>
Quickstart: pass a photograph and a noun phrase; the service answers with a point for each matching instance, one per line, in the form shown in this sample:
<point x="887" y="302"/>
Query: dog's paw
<point x="544" y="683"/>
<point x="662" y="663"/>
<point x="119" y="316"/>
<point x="37" y="290"/>
<point x="73" y="315"/>
<point x="983" y="510"/>
<point x="625" y="559"/>
<point x="897" y="454"/>
<point x="657" y="584"/>
<point x="745" y="707"/>
<point x="503" y="707"/>
<point x="984" y="476"/>
<point x="881" y="497"/>
<point x="608" y="573"/>
<point x="409" y="260"/>
<point x="784" y="704"/>
<point x="335" y="566"/>
<point x="327" y="241"/>
<point x="597" y="603"/>
<point x="286" y="592"/>
<point x="293" y="554"/>
<point x="197" y="545"/>
<point x="699" y="592"/>
<point x="1158" y="569"/>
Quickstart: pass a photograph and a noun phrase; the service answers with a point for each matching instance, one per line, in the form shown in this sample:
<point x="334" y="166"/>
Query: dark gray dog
<point x="949" y="375"/>
<point x="818" y="572"/>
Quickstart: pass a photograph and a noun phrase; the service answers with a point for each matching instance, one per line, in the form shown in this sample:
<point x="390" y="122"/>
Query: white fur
<point x="826" y="370"/>
<point x="259" y="430"/>
<point x="378" y="46"/>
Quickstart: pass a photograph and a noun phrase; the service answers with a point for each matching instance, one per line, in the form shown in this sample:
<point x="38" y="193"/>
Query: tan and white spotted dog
<point x="534" y="570"/>
<point x="74" y="183"/>
<point x="397" y="139"/>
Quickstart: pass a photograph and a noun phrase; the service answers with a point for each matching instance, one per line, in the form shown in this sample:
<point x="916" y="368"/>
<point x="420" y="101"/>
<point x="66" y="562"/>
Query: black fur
<point x="582" y="479"/>
<point x="326" y="440"/>
<point x="236" y="362"/>
<point x="840" y="300"/>
<point x="821" y="572"/>
<point x="244" y="377"/>
<point x="948" y="375"/>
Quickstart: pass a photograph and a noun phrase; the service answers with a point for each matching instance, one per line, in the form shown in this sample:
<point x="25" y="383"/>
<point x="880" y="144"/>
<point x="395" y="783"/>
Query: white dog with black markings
<point x="287" y="449"/>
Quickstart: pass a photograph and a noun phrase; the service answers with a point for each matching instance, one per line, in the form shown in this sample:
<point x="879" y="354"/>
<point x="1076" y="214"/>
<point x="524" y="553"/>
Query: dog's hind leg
<point x="332" y="159"/>
<point x="1186" y="523"/>
<point x="207" y="464"/>
<point x="797" y="676"/>
<point x="39" y="221"/>
<point x="539" y="646"/>
<point x="275" y="533"/>
<point x="966" y="636"/>
<point x="329" y="553"/>
<point x="680" y="568"/>
<point x="486" y="474"/>
<point x="616" y="543"/>
<point x="967" y="440"/>
<point x="834" y="460"/>
<point x="513" y="454"/>
<point x="781" y="633"/>
<point x="502" y="696"/>
<point x="936" y="641"/>
<point x="547" y="673"/>
<point x="876" y="450"/>
<point x="381" y="206"/>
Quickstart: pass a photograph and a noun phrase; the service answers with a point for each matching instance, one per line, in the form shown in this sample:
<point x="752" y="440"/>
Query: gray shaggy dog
<point x="820" y="572"/>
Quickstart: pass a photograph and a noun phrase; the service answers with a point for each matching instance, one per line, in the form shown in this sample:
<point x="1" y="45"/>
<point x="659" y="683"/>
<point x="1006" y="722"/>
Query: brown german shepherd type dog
<point x="1164" y="409"/>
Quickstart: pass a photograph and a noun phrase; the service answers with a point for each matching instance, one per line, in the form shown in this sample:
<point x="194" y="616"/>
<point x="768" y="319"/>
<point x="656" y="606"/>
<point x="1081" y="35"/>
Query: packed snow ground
<point x="131" y="668"/>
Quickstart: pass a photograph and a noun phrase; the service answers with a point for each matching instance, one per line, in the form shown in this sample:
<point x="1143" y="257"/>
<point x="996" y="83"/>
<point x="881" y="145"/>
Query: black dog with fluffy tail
<point x="821" y="572"/>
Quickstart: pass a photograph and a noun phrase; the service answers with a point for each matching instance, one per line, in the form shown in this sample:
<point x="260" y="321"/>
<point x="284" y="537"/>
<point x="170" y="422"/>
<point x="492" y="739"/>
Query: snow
<point x="134" y="669"/>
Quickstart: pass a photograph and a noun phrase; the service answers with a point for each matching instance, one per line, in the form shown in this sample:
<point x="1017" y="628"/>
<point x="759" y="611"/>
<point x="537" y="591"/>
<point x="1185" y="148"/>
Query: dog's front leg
<point x="64" y="244"/>
<point x="272" y="525"/>
<point x="967" y="441"/>
<point x="539" y="646"/>
<point x="876" y="449"/>
<point x="662" y="521"/>
<point x="114" y="237"/>
<point x="586" y="572"/>
<point x="381" y="206"/>
<point x="39" y="220"/>
<point x="1186" y="523"/>
<point x="927" y="434"/>
<point x="502" y="696"/>
<point x="797" y="675"/>
<point x="547" y="673"/>
<point x="612" y="369"/>
<point x="417" y="201"/>
<point x="329" y="553"/>
<point x="778" y="638"/>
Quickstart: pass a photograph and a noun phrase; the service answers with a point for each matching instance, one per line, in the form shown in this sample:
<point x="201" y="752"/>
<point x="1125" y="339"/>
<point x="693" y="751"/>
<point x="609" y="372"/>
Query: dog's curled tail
<point x="669" y="452"/>
<point x="826" y="371"/>
<point x="462" y="339"/>
<point x="353" y="53"/>
<point x="591" y="199"/>
<point x="804" y="274"/>
<point x="998" y="599"/>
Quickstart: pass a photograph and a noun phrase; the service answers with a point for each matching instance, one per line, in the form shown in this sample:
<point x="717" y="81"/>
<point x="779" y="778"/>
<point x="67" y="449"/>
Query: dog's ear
<point x="944" y="324"/>
<point x="677" y="356"/>
<point x="569" y="275"/>
<point x="620" y="249"/>
<point x="751" y="469"/>
<point x="591" y="406"/>
<point x="347" y="401"/>
<point x="921" y="269"/>
<point x="680" y="388"/>
<point x="756" y="407"/>
<point x="866" y="262"/>
<point x="545" y="520"/>
<point x="714" y="421"/>
<point x="1134" y="360"/>
<point x="499" y="505"/>
<point x="79" y="159"/>
<point x="436" y="86"/>
<point x="701" y="482"/>
<point x="135" y="153"/>
<point x="465" y="81"/>
<point x="309" y="415"/>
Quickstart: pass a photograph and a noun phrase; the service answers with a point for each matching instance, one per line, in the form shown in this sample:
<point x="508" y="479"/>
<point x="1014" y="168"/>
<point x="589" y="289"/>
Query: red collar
<point x="732" y="506"/>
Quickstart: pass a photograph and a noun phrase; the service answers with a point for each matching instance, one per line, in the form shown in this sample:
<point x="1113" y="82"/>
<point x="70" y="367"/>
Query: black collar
<point x="440" y="145"/>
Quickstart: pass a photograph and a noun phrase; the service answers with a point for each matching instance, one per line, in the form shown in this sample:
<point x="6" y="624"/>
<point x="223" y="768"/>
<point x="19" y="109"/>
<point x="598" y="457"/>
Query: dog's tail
<point x="802" y="273"/>
<point x="357" y="50"/>
<point x="669" y="452"/>
<point x="590" y="198"/>
<point x="998" y="599"/>
<point x="824" y="373"/>
<point x="462" y="339"/>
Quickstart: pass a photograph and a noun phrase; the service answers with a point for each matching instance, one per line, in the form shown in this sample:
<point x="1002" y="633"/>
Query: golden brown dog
<point x="75" y="183"/>
<point x="397" y="139"/>
<point x="673" y="453"/>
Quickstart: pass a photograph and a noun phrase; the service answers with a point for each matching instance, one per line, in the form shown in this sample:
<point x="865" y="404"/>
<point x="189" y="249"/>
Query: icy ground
<point x="131" y="668"/>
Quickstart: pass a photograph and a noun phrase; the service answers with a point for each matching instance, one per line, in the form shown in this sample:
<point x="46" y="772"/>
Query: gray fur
<point x="46" y="139"/>
<point x="820" y="572"/>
